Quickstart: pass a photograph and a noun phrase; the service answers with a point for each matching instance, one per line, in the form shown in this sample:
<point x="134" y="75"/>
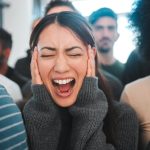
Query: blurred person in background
<point x="12" y="88"/>
<point x="12" y="130"/>
<point x="22" y="65"/>
<point x="137" y="93"/>
<point x="5" y="50"/>
<point x="104" y="24"/>
<point x="136" y="67"/>
<point x="56" y="6"/>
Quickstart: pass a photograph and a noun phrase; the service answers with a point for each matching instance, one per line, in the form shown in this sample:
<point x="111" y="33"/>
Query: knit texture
<point x="79" y="127"/>
<point x="123" y="127"/>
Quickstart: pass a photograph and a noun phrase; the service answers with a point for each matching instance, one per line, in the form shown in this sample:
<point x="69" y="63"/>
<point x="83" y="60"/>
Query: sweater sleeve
<point x="88" y="114"/>
<point x="125" y="128"/>
<point x="42" y="120"/>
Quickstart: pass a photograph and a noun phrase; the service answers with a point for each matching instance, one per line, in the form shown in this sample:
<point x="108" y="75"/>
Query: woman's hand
<point x="36" y="78"/>
<point x="91" y="62"/>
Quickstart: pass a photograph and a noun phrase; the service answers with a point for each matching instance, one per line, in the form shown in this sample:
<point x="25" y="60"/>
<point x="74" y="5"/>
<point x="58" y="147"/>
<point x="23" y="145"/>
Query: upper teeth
<point x="63" y="81"/>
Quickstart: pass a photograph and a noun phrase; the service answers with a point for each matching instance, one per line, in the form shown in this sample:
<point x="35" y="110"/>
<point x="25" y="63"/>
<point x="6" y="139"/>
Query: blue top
<point x="12" y="130"/>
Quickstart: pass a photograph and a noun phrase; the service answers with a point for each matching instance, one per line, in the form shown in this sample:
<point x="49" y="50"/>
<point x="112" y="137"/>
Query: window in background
<point x="1" y="15"/>
<point x="2" y="6"/>
<point x="125" y="44"/>
<point x="37" y="12"/>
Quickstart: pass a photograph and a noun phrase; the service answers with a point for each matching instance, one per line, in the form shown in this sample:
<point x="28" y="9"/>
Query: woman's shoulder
<point x="135" y="92"/>
<point x="138" y="84"/>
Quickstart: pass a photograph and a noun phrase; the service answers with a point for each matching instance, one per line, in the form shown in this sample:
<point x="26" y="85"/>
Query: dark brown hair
<point x="139" y="20"/>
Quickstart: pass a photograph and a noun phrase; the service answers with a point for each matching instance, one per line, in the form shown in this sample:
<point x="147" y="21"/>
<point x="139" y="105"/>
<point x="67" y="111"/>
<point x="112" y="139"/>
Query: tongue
<point x="64" y="87"/>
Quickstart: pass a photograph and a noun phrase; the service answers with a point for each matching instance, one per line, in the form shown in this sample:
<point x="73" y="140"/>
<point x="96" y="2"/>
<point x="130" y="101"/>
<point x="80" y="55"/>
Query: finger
<point x="36" y="79"/>
<point x="91" y="62"/>
<point x="32" y="65"/>
<point x="89" y="71"/>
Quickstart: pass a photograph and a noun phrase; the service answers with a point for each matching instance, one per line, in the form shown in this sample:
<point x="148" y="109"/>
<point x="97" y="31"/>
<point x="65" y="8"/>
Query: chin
<point x="64" y="103"/>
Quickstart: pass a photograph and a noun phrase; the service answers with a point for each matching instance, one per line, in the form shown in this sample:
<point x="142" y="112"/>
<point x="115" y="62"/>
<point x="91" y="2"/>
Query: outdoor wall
<point x="17" y="20"/>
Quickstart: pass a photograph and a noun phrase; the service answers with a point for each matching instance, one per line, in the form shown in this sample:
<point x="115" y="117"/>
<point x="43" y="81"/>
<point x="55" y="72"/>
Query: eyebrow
<point x="107" y="26"/>
<point x="49" y="48"/>
<point x="74" y="47"/>
<point x="68" y="49"/>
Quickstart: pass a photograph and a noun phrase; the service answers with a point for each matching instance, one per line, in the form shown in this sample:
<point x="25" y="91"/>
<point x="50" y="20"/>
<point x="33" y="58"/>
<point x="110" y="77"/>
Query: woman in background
<point x="137" y="93"/>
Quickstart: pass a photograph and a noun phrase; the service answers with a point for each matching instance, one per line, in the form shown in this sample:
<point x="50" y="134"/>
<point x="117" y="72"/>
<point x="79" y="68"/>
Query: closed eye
<point x="47" y="55"/>
<point x="75" y="55"/>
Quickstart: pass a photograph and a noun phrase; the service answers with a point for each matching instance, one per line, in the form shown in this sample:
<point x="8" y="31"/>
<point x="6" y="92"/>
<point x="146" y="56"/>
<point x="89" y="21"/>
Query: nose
<point x="106" y="32"/>
<point x="61" y="65"/>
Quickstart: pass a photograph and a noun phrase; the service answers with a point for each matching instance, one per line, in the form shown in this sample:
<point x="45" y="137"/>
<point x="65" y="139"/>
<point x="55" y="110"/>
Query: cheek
<point x="98" y="36"/>
<point x="95" y="34"/>
<point x="80" y="66"/>
<point x="44" y="68"/>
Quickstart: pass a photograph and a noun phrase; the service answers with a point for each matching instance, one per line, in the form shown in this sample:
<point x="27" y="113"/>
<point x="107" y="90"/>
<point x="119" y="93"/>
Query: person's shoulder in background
<point x="12" y="88"/>
<point x="12" y="130"/>
<point x="22" y="65"/>
<point x="136" y="67"/>
<point x="115" y="85"/>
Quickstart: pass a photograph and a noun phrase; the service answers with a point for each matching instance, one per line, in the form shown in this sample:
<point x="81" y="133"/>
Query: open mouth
<point x="64" y="87"/>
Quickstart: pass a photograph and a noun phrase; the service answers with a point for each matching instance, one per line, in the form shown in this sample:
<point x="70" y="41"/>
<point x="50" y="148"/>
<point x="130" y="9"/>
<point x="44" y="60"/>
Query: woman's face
<point x="62" y="62"/>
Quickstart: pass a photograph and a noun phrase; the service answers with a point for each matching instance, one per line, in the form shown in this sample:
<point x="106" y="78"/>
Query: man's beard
<point x="103" y="50"/>
<point x="103" y="45"/>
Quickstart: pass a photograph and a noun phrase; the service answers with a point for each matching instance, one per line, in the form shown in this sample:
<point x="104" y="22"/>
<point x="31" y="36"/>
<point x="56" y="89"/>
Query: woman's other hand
<point x="36" y="78"/>
<point x="91" y="62"/>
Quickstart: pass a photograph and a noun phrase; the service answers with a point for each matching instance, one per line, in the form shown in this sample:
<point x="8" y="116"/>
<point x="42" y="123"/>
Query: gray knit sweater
<point x="79" y="127"/>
